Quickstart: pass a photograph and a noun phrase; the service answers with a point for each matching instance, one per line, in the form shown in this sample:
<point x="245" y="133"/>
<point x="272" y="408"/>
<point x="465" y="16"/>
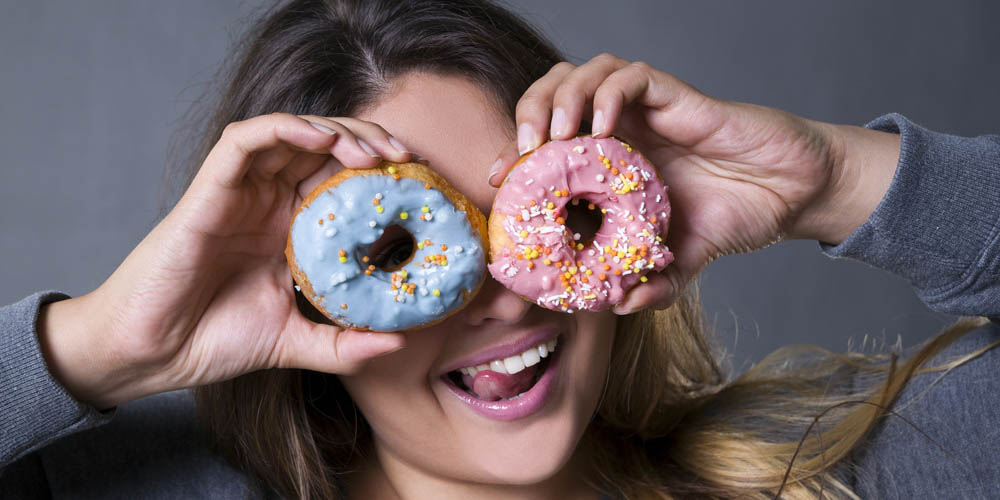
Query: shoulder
<point x="950" y="449"/>
<point x="153" y="448"/>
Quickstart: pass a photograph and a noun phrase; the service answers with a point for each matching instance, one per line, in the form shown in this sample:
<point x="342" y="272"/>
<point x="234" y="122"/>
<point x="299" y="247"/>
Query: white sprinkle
<point x="378" y="196"/>
<point x="600" y="149"/>
<point x="372" y="223"/>
<point x="658" y="198"/>
<point x="298" y="288"/>
<point x="428" y="217"/>
<point x="552" y="188"/>
<point x="576" y="236"/>
<point x="423" y="291"/>
<point x="331" y="232"/>
<point x="525" y="215"/>
<point x="600" y="178"/>
<point x="579" y="149"/>
<point x="457" y="248"/>
<point x="663" y="215"/>
<point x="528" y="182"/>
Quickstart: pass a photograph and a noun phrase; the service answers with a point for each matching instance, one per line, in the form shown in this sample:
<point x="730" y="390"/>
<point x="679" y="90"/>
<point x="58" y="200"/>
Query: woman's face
<point x="423" y="422"/>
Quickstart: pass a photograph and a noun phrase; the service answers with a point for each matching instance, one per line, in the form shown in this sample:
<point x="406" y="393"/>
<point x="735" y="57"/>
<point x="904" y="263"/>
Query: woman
<point x="639" y="406"/>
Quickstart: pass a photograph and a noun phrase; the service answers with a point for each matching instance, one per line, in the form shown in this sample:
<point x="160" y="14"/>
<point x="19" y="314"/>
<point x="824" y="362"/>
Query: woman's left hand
<point x="740" y="176"/>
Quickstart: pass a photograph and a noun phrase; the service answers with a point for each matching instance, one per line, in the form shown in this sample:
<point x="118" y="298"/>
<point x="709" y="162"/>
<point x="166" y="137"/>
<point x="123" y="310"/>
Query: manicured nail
<point x="526" y="140"/>
<point x="323" y="128"/>
<point x="494" y="170"/>
<point x="368" y="149"/>
<point x="398" y="145"/>
<point x="558" y="127"/>
<point x="597" y="124"/>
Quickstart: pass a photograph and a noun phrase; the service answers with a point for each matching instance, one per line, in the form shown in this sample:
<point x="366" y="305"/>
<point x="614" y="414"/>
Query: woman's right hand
<point x="206" y="296"/>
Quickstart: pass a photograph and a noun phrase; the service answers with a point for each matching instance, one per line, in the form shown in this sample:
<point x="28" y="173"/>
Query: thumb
<point x="331" y="349"/>
<point x="504" y="162"/>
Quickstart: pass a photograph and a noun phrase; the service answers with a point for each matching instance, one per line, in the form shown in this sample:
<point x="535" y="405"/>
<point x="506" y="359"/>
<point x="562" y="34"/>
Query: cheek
<point x="591" y="357"/>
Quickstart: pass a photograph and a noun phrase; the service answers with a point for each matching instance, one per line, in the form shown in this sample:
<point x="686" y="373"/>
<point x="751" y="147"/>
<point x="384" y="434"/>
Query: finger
<point x="232" y="156"/>
<point x="352" y="151"/>
<point x="324" y="172"/>
<point x="575" y="92"/>
<point x="329" y="349"/>
<point x="508" y="157"/>
<point x="687" y="115"/>
<point x="375" y="140"/>
<point x="659" y="289"/>
<point x="534" y="109"/>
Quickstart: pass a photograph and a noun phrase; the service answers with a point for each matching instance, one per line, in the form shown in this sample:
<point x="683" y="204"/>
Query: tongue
<point x="489" y="385"/>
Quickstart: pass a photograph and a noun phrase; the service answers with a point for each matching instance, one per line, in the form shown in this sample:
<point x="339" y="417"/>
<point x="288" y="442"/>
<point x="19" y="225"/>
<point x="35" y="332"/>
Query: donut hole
<point x="583" y="220"/>
<point x="391" y="251"/>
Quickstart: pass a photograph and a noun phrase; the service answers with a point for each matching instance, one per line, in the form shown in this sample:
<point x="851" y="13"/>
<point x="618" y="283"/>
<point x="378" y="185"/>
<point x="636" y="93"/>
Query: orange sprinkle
<point x="364" y="259"/>
<point x="560" y="220"/>
<point x="579" y="263"/>
<point x="427" y="186"/>
<point x="375" y="201"/>
<point x="547" y="251"/>
<point x="590" y="206"/>
<point x="567" y="263"/>
<point x="395" y="177"/>
<point x="614" y="171"/>
<point x="652" y="219"/>
<point x="330" y="216"/>
<point x="602" y="277"/>
<point x="531" y="265"/>
<point x="518" y="218"/>
<point x="321" y="222"/>
<point x="621" y="162"/>
<point x="532" y="203"/>
<point x="427" y="243"/>
<point x="343" y="306"/>
<point x="444" y="247"/>
<point x="427" y="259"/>
<point x="422" y="217"/>
<point x="342" y="253"/>
<point x="584" y="279"/>
<point x="618" y="271"/>
<point x="371" y="268"/>
<point x="607" y="267"/>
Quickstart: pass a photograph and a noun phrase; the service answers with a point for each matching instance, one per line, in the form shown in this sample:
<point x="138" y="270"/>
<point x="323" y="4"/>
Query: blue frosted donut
<point x="387" y="249"/>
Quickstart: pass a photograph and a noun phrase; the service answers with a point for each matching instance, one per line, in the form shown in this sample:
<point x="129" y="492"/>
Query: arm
<point x="34" y="406"/>
<point x="938" y="225"/>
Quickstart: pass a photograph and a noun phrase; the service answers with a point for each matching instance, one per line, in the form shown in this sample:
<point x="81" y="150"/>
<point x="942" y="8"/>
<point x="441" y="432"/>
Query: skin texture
<point x="207" y="296"/>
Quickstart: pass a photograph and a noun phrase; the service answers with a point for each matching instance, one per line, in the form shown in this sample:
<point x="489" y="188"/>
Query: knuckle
<point x="562" y="66"/>
<point x="642" y="66"/>
<point x="607" y="58"/>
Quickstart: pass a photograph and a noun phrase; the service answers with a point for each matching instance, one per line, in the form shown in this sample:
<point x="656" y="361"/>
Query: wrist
<point x="72" y="337"/>
<point x="862" y="165"/>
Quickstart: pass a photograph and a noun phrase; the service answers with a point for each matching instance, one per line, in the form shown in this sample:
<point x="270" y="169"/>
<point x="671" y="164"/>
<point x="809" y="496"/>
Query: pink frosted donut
<point x="535" y="253"/>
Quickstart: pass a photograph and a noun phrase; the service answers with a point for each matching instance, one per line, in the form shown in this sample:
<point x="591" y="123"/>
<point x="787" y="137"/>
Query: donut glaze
<point x="332" y="234"/>
<point x="533" y="252"/>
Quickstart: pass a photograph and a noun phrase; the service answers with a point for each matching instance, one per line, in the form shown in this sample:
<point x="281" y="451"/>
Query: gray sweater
<point x="937" y="226"/>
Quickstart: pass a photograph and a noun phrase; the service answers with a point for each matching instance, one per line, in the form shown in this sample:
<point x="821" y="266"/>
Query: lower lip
<point x="513" y="409"/>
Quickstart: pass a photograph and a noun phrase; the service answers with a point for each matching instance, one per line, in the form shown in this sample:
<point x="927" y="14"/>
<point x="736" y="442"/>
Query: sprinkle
<point x="591" y="206"/>
<point x="436" y="292"/>
<point x="330" y="216"/>
<point x="532" y="203"/>
<point x="576" y="236"/>
<point x="364" y="259"/>
<point x="550" y="205"/>
<point x="404" y="215"/>
<point x="420" y="246"/>
<point x="425" y="209"/>
<point x="579" y="246"/>
<point x="321" y="222"/>
<point x="378" y="196"/>
<point x="579" y="149"/>
<point x="524" y="234"/>
<point x="427" y="186"/>
<point x="380" y="209"/>
<point x="560" y="220"/>
<point x="331" y="232"/>
<point x="395" y="177"/>
<point x="392" y="170"/>
<point x="343" y="306"/>
<point x="444" y="247"/>
<point x="427" y="217"/>
<point x="458" y="249"/>
<point x="343" y="260"/>
<point x="372" y="223"/>
<point x="342" y="253"/>
<point x="643" y="279"/>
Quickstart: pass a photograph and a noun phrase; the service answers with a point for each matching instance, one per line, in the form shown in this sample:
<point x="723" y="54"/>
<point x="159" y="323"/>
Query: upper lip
<point x="506" y="349"/>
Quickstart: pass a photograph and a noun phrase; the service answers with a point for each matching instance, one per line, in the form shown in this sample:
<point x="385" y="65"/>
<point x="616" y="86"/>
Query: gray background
<point x="94" y="91"/>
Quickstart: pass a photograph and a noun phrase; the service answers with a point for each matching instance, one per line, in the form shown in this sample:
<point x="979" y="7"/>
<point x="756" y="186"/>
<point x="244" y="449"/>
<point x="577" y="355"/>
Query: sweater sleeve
<point x="938" y="226"/>
<point x="35" y="409"/>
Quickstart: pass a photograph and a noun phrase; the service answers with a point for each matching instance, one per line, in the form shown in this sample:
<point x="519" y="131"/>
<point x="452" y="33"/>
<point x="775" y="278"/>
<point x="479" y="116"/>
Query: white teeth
<point x="516" y="363"/>
<point x="531" y="357"/>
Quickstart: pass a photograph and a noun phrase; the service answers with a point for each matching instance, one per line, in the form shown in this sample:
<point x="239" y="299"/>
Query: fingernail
<point x="398" y="145"/>
<point x="597" y="124"/>
<point x="558" y="126"/>
<point x="525" y="138"/>
<point x="323" y="128"/>
<point x="368" y="149"/>
<point x="419" y="159"/>
<point x="494" y="170"/>
<point x="622" y="309"/>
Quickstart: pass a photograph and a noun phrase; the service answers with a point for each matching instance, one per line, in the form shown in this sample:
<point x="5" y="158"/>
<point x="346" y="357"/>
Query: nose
<point x="495" y="303"/>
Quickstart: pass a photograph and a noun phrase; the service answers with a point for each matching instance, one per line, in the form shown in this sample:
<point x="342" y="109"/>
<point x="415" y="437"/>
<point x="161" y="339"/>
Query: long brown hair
<point x="670" y="423"/>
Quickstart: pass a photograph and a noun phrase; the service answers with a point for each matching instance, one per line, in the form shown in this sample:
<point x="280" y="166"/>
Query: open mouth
<point x="508" y="378"/>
